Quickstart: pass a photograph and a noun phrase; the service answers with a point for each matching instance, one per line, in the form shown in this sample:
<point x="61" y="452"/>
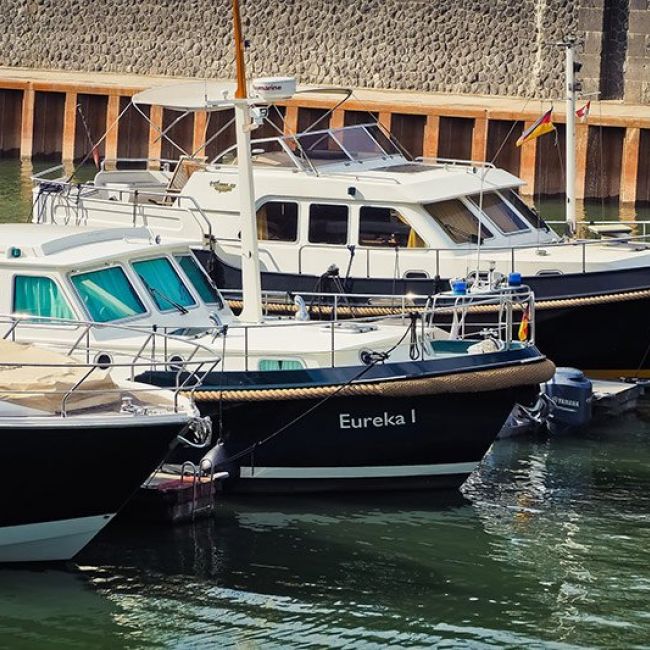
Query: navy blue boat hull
<point x="354" y="443"/>
<point x="70" y="472"/>
<point x="360" y="441"/>
<point x="558" y="328"/>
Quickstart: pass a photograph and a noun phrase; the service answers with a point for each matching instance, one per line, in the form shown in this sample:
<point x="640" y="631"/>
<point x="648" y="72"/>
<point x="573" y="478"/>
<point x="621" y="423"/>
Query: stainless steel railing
<point x="494" y="313"/>
<point x="76" y="200"/>
<point x="159" y="351"/>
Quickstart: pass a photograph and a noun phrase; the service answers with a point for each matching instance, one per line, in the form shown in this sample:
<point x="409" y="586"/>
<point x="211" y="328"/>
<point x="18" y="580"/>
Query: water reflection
<point x="550" y="545"/>
<point x="569" y="517"/>
<point x="44" y="607"/>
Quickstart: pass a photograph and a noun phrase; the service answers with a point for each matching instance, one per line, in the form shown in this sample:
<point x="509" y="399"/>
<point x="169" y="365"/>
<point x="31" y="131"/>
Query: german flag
<point x="542" y="125"/>
<point x="523" y="325"/>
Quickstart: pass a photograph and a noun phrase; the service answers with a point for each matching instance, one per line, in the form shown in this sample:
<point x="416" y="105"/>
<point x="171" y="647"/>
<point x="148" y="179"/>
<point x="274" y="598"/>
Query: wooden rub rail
<point x="470" y="382"/>
<point x="57" y="115"/>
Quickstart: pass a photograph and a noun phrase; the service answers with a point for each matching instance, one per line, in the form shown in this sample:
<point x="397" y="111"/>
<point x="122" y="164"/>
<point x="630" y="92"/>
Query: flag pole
<point x="250" y="259"/>
<point x="569" y="45"/>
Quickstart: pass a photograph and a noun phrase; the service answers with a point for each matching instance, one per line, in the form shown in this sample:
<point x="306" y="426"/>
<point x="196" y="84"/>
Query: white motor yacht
<point x="408" y="401"/>
<point x="348" y="210"/>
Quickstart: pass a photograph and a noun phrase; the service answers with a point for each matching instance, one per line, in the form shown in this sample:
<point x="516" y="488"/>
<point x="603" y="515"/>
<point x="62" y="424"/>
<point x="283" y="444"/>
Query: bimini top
<point x="191" y="96"/>
<point x="214" y="95"/>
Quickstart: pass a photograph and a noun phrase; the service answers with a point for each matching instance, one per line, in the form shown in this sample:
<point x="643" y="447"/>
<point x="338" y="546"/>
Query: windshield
<point x="108" y="295"/>
<point x="362" y="142"/>
<point x="164" y="284"/>
<point x="458" y="221"/>
<point x="199" y="280"/>
<point x="526" y="211"/>
<point x="500" y="212"/>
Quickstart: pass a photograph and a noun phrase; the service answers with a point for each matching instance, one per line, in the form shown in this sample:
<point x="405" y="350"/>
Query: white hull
<point x="49" y="541"/>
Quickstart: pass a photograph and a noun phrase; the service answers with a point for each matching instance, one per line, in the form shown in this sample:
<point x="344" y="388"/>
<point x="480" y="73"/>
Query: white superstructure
<point x="345" y="196"/>
<point x="125" y="277"/>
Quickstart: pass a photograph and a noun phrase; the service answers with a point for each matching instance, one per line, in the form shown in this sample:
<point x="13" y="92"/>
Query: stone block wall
<point x="637" y="70"/>
<point x="466" y="46"/>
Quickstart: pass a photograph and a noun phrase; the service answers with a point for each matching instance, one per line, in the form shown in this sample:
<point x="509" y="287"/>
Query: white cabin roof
<point x="192" y="96"/>
<point x="54" y="246"/>
<point x="380" y="184"/>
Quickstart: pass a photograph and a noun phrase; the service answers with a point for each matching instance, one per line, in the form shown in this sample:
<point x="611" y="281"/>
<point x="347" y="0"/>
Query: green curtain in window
<point x="163" y="283"/>
<point x="40" y="296"/>
<point x="108" y="294"/>
<point x="199" y="281"/>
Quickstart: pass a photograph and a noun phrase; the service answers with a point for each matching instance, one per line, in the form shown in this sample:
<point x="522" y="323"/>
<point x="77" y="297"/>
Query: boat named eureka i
<point x="346" y="421"/>
<point x="285" y="396"/>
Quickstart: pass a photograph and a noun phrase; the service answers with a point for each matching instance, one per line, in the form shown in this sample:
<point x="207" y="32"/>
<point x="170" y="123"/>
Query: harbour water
<point x="548" y="546"/>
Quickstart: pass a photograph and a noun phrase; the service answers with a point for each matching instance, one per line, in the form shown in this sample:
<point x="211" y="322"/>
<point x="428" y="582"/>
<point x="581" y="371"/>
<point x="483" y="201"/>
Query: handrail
<point x="485" y="249"/>
<point x="139" y="209"/>
<point x="40" y="176"/>
<point x="454" y="161"/>
<point x="200" y="360"/>
<point x="196" y="370"/>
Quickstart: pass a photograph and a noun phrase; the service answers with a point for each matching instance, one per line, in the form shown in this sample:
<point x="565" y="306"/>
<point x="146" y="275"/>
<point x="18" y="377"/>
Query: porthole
<point x="103" y="360"/>
<point x="176" y="362"/>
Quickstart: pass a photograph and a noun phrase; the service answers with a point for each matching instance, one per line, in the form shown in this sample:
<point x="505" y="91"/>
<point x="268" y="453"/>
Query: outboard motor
<point x="571" y="395"/>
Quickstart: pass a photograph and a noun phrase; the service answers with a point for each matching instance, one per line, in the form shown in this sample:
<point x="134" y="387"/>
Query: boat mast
<point x="569" y="46"/>
<point x="250" y="259"/>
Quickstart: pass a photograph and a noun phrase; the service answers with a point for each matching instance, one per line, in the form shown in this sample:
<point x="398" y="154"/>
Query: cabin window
<point x="108" y="295"/>
<point x="277" y="221"/>
<point x="502" y="214"/>
<point x="280" y="364"/>
<point x="458" y="221"/>
<point x="386" y="227"/>
<point x="40" y="296"/>
<point x="328" y="224"/>
<point x="164" y="284"/>
<point x="526" y="211"/>
<point x="200" y="281"/>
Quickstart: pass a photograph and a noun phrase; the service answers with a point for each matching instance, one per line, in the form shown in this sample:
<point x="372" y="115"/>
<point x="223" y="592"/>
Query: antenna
<point x="572" y="66"/>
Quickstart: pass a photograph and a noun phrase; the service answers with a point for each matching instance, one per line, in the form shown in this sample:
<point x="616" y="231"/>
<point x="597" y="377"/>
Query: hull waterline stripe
<point x="378" y="471"/>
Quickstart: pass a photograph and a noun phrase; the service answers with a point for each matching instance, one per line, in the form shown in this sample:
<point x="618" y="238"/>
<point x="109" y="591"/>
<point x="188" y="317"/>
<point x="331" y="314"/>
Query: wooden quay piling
<point x="59" y="115"/>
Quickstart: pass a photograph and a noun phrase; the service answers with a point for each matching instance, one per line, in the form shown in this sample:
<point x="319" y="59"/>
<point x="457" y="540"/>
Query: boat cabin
<point x="108" y="276"/>
<point x="317" y="195"/>
<point x="129" y="284"/>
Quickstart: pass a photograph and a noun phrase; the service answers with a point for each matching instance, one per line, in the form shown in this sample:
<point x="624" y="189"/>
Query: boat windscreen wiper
<point x="156" y="292"/>
<point x="469" y="237"/>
